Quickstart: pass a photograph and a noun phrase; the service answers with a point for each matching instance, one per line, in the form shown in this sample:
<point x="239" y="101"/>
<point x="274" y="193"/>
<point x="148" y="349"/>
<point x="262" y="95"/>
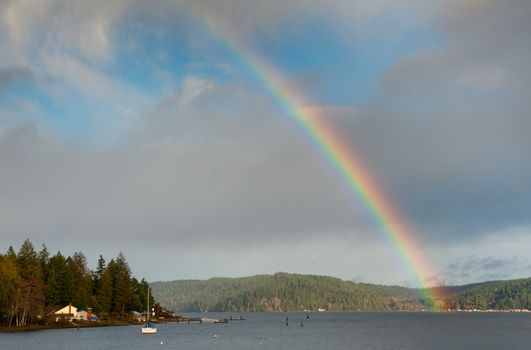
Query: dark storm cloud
<point x="204" y="178"/>
<point x="449" y="133"/>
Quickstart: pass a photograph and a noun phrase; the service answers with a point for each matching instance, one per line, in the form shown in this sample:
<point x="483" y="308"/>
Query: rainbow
<point x="345" y="162"/>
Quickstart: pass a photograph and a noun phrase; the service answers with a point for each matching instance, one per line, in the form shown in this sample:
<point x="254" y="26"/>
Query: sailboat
<point x="148" y="328"/>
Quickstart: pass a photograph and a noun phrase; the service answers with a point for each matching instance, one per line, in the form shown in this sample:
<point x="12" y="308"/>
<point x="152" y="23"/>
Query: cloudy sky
<point x="135" y="127"/>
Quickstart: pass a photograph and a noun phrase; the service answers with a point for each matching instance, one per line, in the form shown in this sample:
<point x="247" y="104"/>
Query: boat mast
<point x="147" y="307"/>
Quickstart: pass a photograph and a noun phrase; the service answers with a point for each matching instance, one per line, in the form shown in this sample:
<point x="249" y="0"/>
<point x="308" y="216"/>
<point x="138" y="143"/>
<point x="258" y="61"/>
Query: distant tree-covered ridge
<point x="283" y="292"/>
<point x="295" y="292"/>
<point x="33" y="284"/>
<point x="493" y="295"/>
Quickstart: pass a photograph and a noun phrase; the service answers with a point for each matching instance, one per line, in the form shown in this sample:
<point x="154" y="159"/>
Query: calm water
<point x="322" y="331"/>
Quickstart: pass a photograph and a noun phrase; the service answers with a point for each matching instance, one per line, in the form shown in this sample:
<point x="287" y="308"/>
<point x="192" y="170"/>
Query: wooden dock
<point x="189" y="320"/>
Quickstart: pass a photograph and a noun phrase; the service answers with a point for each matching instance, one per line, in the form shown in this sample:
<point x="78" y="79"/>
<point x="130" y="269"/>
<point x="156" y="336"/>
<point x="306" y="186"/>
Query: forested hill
<point x="293" y="292"/>
<point x="496" y="295"/>
<point x="282" y="292"/>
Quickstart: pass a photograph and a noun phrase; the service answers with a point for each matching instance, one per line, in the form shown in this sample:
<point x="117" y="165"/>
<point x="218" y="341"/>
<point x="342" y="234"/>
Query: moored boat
<point x="148" y="328"/>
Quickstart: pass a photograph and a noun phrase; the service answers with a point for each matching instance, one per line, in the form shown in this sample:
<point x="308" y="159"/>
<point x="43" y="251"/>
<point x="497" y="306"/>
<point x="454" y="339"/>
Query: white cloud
<point x="192" y="87"/>
<point x="76" y="27"/>
<point x="68" y="48"/>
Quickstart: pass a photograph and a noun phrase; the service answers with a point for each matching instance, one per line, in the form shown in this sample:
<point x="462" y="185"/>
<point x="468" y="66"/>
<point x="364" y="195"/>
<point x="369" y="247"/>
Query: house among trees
<point x="70" y="313"/>
<point x="82" y="315"/>
<point x="33" y="283"/>
<point x="66" y="314"/>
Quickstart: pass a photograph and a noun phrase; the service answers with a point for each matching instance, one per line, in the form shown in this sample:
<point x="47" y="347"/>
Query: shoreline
<point x="4" y="329"/>
<point x="73" y="325"/>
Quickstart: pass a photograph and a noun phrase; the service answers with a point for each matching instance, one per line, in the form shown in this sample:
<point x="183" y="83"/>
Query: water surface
<point x="322" y="331"/>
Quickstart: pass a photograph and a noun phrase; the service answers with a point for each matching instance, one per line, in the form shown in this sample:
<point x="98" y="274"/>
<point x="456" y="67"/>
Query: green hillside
<point x="282" y="292"/>
<point x="294" y="292"/>
<point x="497" y="295"/>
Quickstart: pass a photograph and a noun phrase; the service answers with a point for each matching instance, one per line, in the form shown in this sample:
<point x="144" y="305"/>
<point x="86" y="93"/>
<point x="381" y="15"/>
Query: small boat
<point x="148" y="328"/>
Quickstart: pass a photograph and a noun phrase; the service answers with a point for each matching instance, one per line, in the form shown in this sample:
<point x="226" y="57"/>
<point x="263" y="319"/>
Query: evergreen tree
<point x="28" y="261"/>
<point x="11" y="252"/>
<point x="81" y="280"/>
<point x="122" y="296"/>
<point x="44" y="258"/>
<point x="30" y="289"/>
<point x="60" y="281"/>
<point x="100" y="270"/>
<point x="104" y="291"/>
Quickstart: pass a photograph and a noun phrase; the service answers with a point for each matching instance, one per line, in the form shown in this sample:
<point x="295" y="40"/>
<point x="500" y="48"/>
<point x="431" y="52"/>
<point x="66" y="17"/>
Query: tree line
<point x="496" y="295"/>
<point x="295" y="292"/>
<point x="34" y="284"/>
<point x="283" y="292"/>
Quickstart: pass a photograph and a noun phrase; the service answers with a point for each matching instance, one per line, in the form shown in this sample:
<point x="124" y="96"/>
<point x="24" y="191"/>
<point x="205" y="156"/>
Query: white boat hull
<point x="149" y="330"/>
